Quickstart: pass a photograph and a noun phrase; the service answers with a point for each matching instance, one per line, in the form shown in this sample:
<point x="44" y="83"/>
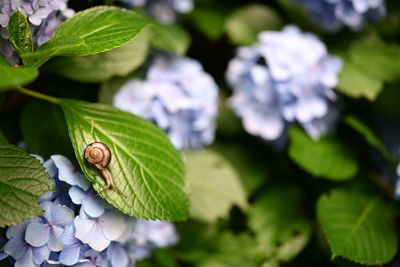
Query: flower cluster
<point x="287" y="76"/>
<point x="163" y="10"/>
<point x="44" y="17"/>
<point x="333" y="14"/>
<point x="79" y="229"/>
<point x="178" y="96"/>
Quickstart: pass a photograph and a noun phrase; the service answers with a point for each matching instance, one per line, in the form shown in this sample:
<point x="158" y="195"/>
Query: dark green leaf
<point x="108" y="90"/>
<point x="12" y="77"/>
<point x="101" y="67"/>
<point x="23" y="180"/>
<point x="327" y="157"/>
<point x="209" y="20"/>
<point x="91" y="31"/>
<point x="171" y="38"/>
<point x="3" y="139"/>
<point x="54" y="131"/>
<point x="215" y="186"/>
<point x="244" y="24"/>
<point x="357" y="227"/>
<point x="19" y="33"/>
<point x="145" y="166"/>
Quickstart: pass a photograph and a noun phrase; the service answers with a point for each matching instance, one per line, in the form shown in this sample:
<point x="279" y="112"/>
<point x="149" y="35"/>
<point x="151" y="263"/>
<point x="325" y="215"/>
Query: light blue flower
<point x="25" y="255"/>
<point x="47" y="229"/>
<point x="73" y="249"/>
<point x="286" y="77"/>
<point x="92" y="204"/>
<point x="333" y="14"/>
<point x="99" y="232"/>
<point x="178" y="96"/>
<point x="117" y="255"/>
<point x="159" y="233"/>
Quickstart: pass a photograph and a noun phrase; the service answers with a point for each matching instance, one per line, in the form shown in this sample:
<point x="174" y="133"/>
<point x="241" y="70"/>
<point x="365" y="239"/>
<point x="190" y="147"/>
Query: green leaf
<point x="109" y="89"/>
<point x="23" y="180"/>
<point x="327" y="157"/>
<point x="281" y="228"/>
<point x="20" y="33"/>
<point x="117" y="62"/>
<point x="12" y="77"/>
<point x="54" y="131"/>
<point x="209" y="20"/>
<point x="357" y="227"/>
<point x="145" y="166"/>
<point x="171" y="38"/>
<point x="245" y="23"/>
<point x="215" y="186"/>
<point x="3" y="139"/>
<point x="91" y="31"/>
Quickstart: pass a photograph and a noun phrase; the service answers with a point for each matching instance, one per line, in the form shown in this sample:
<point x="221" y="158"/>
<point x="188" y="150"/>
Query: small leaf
<point x="171" y="38"/>
<point x="12" y="77"/>
<point x="357" y="227"/>
<point x="215" y="186"/>
<point x="23" y="180"/>
<point x="54" y="131"/>
<point x="145" y="166"/>
<point x="20" y="33"/>
<point x="117" y="62"/>
<point x="91" y="31"/>
<point x="281" y="228"/>
<point x="327" y="157"/>
<point x="244" y="24"/>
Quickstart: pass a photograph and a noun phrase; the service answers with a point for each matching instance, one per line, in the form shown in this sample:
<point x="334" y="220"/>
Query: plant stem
<point x="35" y="94"/>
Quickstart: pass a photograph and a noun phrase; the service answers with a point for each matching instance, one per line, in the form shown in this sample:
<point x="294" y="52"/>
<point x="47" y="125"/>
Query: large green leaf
<point x="15" y="76"/>
<point x="145" y="166"/>
<point x="20" y="33"/>
<point x="91" y="31"/>
<point x="243" y="25"/>
<point x="117" y="62"/>
<point x="281" y="228"/>
<point x="23" y="180"/>
<point x="171" y="38"/>
<point x="215" y="186"/>
<point x="326" y="157"/>
<point x="357" y="227"/>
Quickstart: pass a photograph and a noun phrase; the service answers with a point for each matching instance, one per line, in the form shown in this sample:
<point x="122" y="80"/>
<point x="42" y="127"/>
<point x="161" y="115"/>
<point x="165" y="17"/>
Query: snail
<point x="99" y="154"/>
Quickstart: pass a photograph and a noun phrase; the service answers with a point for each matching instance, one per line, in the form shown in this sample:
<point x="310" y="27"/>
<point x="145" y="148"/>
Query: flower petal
<point x="16" y="248"/>
<point x="113" y="224"/>
<point x="93" y="206"/>
<point x="68" y="174"/>
<point x="26" y="260"/>
<point x="70" y="254"/>
<point x="40" y="254"/>
<point x="54" y="242"/>
<point x="37" y="234"/>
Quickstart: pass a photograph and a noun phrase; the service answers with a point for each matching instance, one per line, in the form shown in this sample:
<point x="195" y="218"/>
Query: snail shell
<point x="99" y="154"/>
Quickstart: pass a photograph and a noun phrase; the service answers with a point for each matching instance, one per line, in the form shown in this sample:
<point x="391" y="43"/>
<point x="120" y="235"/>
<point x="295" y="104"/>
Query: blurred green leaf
<point x="327" y="157"/>
<point x="108" y="90"/>
<point x="357" y="227"/>
<point x="101" y="67"/>
<point x="209" y="20"/>
<point x="145" y="166"/>
<point x="23" y="180"/>
<point x="171" y="38"/>
<point x="3" y="139"/>
<point x="281" y="228"/>
<point x="19" y="33"/>
<point x="54" y="131"/>
<point x="88" y="32"/>
<point x="243" y="25"/>
<point x="12" y="77"/>
<point x="215" y="186"/>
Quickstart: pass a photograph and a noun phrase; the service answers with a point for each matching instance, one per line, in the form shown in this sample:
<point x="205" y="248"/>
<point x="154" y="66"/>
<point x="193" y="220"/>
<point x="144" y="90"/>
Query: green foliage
<point x="243" y="25"/>
<point x="215" y="186"/>
<point x="171" y="38"/>
<point x="357" y="227"/>
<point x="19" y="32"/>
<point x="281" y="228"/>
<point x="210" y="20"/>
<point x="23" y="180"/>
<point x="117" y="62"/>
<point x="145" y="166"/>
<point x="3" y="139"/>
<point x="12" y="77"/>
<point x="328" y="157"/>
<point x="34" y="131"/>
<point x="91" y="31"/>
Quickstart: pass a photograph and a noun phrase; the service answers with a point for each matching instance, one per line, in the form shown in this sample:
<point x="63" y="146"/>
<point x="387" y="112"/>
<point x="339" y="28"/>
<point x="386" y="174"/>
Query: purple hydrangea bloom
<point x="333" y="14"/>
<point x="73" y="248"/>
<point x="178" y="96"/>
<point x="159" y="233"/>
<point x="44" y="17"/>
<point x="92" y="204"/>
<point x="286" y="77"/>
<point x="163" y="10"/>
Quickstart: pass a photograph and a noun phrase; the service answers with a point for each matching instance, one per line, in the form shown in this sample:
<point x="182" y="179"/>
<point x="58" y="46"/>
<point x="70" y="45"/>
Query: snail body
<point x="99" y="154"/>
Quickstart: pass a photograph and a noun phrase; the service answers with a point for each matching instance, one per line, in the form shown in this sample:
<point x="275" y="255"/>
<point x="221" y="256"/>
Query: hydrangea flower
<point x="159" y="233"/>
<point x="286" y="77"/>
<point x="44" y="17"/>
<point x="178" y="96"/>
<point x="333" y="14"/>
<point x="163" y="10"/>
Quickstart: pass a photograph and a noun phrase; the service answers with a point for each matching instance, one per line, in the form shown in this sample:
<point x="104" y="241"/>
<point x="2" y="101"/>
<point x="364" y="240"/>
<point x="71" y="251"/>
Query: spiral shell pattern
<point x="99" y="154"/>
